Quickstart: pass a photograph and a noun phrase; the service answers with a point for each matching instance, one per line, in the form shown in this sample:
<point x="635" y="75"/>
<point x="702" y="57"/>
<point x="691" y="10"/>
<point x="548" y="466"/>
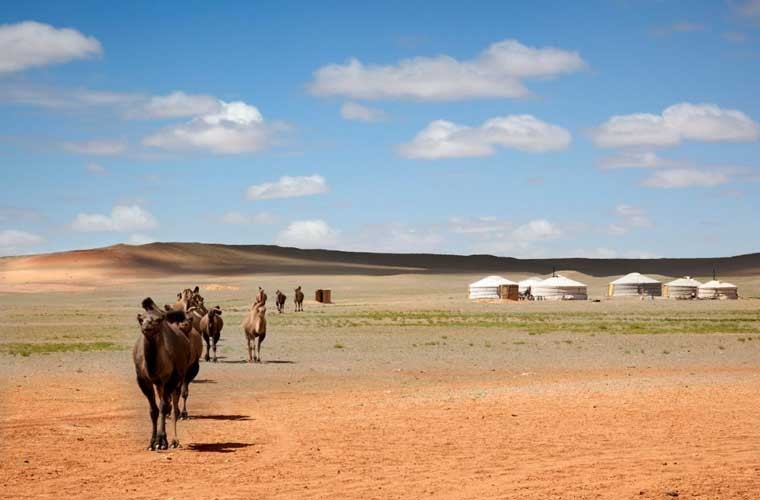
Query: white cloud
<point x="637" y="160"/>
<point x="684" y="178"/>
<point x="123" y="218"/>
<point x="308" y="234"/>
<point x="55" y="98"/>
<point x="178" y="105"/>
<point x="234" y="128"/>
<point x="631" y="217"/>
<point x="140" y="239"/>
<point x="97" y="147"/>
<point x="240" y="218"/>
<point x="11" y="240"/>
<point x="357" y="112"/>
<point x="32" y="44"/>
<point x="96" y="169"/>
<point x="444" y="139"/>
<point x="496" y="72"/>
<point x="677" y="123"/>
<point x="536" y="230"/>
<point x="288" y="187"/>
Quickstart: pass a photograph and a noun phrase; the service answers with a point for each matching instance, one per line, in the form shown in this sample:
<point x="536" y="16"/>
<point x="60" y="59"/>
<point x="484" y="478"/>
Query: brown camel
<point x="261" y="297"/>
<point x="211" y="328"/>
<point x="255" y="328"/>
<point x="298" y="299"/>
<point x="190" y="300"/>
<point x="280" y="301"/>
<point x="162" y="356"/>
<point x="196" y="349"/>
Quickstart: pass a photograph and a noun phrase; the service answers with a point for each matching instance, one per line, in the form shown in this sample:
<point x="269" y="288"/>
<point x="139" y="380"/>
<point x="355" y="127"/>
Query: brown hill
<point x="165" y="259"/>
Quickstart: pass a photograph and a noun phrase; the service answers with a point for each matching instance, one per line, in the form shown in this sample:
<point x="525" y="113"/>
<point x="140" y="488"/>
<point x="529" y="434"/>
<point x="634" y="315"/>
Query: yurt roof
<point x="685" y="281"/>
<point x="717" y="284"/>
<point x="492" y="281"/>
<point x="560" y="280"/>
<point x="532" y="279"/>
<point x="634" y="278"/>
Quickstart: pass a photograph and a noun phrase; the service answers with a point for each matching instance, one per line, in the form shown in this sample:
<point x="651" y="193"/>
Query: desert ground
<point x="402" y="388"/>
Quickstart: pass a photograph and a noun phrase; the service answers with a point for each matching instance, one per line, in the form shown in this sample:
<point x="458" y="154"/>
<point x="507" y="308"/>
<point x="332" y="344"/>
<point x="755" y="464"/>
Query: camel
<point x="298" y="299"/>
<point x="196" y="349"/>
<point x="261" y="297"/>
<point x="255" y="328"/>
<point x="162" y="357"/>
<point x="191" y="301"/>
<point x="211" y="328"/>
<point x="280" y="301"/>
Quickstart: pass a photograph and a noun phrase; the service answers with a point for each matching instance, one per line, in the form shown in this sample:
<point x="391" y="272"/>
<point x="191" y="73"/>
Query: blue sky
<point x="608" y="129"/>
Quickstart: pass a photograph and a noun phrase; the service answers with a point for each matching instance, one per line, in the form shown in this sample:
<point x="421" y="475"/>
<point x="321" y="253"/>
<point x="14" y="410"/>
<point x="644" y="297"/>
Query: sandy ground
<point x="367" y="411"/>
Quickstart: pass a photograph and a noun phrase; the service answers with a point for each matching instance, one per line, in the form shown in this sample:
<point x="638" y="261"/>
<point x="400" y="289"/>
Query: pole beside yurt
<point x="682" y="288"/>
<point x="634" y="284"/>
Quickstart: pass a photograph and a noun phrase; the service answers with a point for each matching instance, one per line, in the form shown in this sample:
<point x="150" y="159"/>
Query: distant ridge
<point x="157" y="259"/>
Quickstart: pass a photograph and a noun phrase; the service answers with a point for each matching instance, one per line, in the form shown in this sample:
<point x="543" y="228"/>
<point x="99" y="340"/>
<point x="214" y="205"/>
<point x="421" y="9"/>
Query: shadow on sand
<point x="279" y="362"/>
<point x="235" y="361"/>
<point x="204" y="381"/>
<point x="218" y="447"/>
<point x="235" y="418"/>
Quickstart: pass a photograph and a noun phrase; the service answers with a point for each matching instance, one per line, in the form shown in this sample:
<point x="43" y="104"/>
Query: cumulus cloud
<point x="630" y="217"/>
<point x="496" y="72"/>
<point x="536" y="230"/>
<point x="684" y="178"/>
<point x="31" y="44"/>
<point x="288" y="187"/>
<point x="97" y="147"/>
<point x="677" y="123"/>
<point x="356" y="112"/>
<point x="444" y="139"/>
<point x="123" y="218"/>
<point x="234" y="128"/>
<point x="308" y="234"/>
<point x="240" y="218"/>
<point x="178" y="105"/>
<point x="11" y="240"/>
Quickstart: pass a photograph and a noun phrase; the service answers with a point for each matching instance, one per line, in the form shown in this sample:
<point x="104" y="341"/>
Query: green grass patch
<point x="27" y="349"/>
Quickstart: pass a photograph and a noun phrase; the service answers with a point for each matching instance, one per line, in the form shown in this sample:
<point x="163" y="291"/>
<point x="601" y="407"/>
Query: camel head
<point x="150" y="322"/>
<point x="186" y="325"/>
<point x="215" y="311"/>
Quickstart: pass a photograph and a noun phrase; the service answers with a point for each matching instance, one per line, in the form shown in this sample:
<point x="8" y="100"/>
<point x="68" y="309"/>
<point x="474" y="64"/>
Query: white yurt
<point x="634" y="285"/>
<point x="717" y="290"/>
<point x="559" y="288"/>
<point x="682" y="288"/>
<point x="528" y="283"/>
<point x="488" y="287"/>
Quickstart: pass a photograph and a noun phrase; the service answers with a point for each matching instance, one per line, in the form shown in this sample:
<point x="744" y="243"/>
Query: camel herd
<point x="167" y="354"/>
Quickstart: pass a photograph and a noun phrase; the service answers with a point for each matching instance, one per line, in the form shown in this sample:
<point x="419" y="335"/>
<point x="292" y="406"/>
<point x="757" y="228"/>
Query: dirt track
<point x="406" y="434"/>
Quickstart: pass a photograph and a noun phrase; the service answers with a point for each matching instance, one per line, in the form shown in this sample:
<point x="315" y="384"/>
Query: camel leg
<point x="164" y="393"/>
<point x="175" y="404"/>
<point x="191" y="374"/>
<point x="208" y="347"/>
<point x="216" y="339"/>
<point x="250" y="348"/>
<point x="147" y="388"/>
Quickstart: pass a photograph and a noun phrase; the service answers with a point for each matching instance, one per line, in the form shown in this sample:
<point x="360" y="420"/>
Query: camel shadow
<point x="217" y="447"/>
<point x="236" y="361"/>
<point x="204" y="381"/>
<point x="280" y="362"/>
<point x="236" y="418"/>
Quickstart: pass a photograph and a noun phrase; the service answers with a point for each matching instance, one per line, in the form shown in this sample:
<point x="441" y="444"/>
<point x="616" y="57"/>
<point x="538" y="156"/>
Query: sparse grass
<point x="339" y="346"/>
<point x="27" y="349"/>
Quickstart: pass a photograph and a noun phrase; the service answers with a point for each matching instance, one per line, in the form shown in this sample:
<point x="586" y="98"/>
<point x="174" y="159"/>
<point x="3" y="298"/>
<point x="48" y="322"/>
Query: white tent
<point x="635" y="284"/>
<point x="488" y="288"/>
<point x="559" y="288"/>
<point x="682" y="288"/>
<point x="529" y="282"/>
<point x="717" y="290"/>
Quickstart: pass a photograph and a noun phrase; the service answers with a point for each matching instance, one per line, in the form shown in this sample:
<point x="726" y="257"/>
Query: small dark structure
<point x="509" y="292"/>
<point x="323" y="296"/>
